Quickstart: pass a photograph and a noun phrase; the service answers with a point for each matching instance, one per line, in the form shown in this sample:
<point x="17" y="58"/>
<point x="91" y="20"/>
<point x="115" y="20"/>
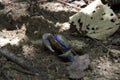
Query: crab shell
<point x="57" y="43"/>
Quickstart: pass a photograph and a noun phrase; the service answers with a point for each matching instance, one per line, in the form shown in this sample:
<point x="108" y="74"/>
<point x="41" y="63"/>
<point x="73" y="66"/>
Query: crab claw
<point x="68" y="54"/>
<point x="46" y="41"/>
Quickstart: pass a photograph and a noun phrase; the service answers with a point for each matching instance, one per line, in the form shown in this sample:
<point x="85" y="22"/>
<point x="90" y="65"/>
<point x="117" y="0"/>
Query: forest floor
<point x="22" y="22"/>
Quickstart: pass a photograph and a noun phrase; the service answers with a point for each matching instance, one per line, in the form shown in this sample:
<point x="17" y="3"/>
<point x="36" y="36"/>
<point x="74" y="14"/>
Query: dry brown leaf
<point x="76" y="69"/>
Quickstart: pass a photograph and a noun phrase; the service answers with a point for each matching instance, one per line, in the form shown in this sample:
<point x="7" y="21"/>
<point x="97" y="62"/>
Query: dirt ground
<point x="22" y="22"/>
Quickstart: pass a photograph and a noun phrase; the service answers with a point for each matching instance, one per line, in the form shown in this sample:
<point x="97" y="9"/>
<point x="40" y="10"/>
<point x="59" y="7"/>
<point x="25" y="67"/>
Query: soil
<point x="22" y="21"/>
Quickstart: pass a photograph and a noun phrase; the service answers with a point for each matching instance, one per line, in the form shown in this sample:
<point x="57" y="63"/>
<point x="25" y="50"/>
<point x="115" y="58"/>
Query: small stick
<point x="20" y="61"/>
<point x="68" y="5"/>
<point x="95" y="40"/>
<point x="22" y="70"/>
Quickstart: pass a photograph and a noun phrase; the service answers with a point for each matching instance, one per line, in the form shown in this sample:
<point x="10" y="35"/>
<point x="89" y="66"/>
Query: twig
<point x="20" y="61"/>
<point x="68" y="4"/>
<point x="92" y="39"/>
<point x="100" y="43"/>
<point x="22" y="70"/>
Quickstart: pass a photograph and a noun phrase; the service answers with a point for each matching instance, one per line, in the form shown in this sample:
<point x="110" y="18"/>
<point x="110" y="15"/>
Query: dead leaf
<point x="77" y="69"/>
